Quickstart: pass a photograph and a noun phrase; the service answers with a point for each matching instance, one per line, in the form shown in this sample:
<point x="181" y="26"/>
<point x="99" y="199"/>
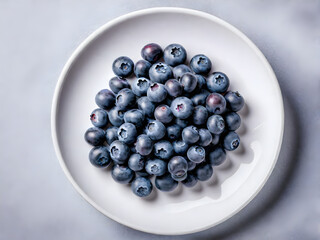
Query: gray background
<point x="37" y="37"/>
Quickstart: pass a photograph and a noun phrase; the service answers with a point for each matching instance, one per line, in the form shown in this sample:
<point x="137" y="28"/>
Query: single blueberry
<point x="125" y="99"/>
<point x="165" y="183"/>
<point x="200" y="115"/>
<point x="182" y="107"/>
<point x="190" y="181"/>
<point x="191" y="165"/>
<point x="182" y="122"/>
<point x="140" y="86"/>
<point x="160" y="72"/>
<point x="196" y="154"/>
<point x="142" y="173"/>
<point x="200" y="98"/>
<point x="99" y="118"/>
<point x="95" y="136"/>
<point x="216" y="103"/>
<point x="146" y="106"/>
<point x="231" y="141"/>
<point x="151" y="52"/>
<point x="189" y="82"/>
<point x="173" y="87"/>
<point x="163" y="149"/>
<point x="100" y="157"/>
<point x="201" y="82"/>
<point x="141" y="68"/>
<point x="179" y="70"/>
<point x="218" y="82"/>
<point x="174" y="131"/>
<point x="234" y="101"/>
<point x="127" y="133"/>
<point x="157" y="92"/>
<point x="163" y="114"/>
<point x="205" y="137"/>
<point x="217" y="156"/>
<point x="190" y="135"/>
<point x="136" y="162"/>
<point x="216" y="124"/>
<point x="115" y="116"/>
<point x="180" y="147"/>
<point x="156" y="167"/>
<point x="203" y="171"/>
<point x="122" y="66"/>
<point x="122" y="174"/>
<point x="116" y="84"/>
<point x="119" y="152"/>
<point x="155" y="130"/>
<point x="111" y="134"/>
<point x="178" y="166"/>
<point x="134" y="116"/>
<point x="174" y="54"/>
<point x="144" y="145"/>
<point x="200" y="64"/>
<point x="105" y="99"/>
<point x="233" y="121"/>
<point x="141" y="186"/>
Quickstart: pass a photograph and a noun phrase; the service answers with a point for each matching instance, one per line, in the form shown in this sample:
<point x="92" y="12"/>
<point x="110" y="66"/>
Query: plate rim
<point x="95" y="34"/>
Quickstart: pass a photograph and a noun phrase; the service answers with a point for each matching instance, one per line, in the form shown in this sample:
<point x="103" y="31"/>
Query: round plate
<point x="234" y="184"/>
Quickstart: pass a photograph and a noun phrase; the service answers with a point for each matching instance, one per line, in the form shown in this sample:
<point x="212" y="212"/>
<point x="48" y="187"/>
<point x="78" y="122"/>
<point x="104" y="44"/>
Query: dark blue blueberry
<point x="155" y="130"/>
<point x="140" y="86"/>
<point x="123" y="66"/>
<point x="142" y="173"/>
<point x="105" y="99"/>
<point x="136" y="162"/>
<point x="174" y="88"/>
<point x="174" y="132"/>
<point x="218" y="82"/>
<point x="160" y="72"/>
<point x="125" y="99"/>
<point x="163" y="114"/>
<point x="174" y="54"/>
<point x="200" y="115"/>
<point x="100" y="156"/>
<point x="217" y="156"/>
<point x="205" y="137"/>
<point x="156" y="167"/>
<point x="201" y="82"/>
<point x="189" y="82"/>
<point x="111" y="134"/>
<point x="182" y="107"/>
<point x="163" y="150"/>
<point x="141" y="68"/>
<point x="165" y="183"/>
<point x="119" y="152"/>
<point x="179" y="70"/>
<point x="191" y="165"/>
<point x="151" y="52"/>
<point x="182" y="122"/>
<point x="179" y="178"/>
<point x="144" y="145"/>
<point x="190" y="135"/>
<point x="190" y="181"/>
<point x="115" y="116"/>
<point x="196" y="154"/>
<point x="178" y="166"/>
<point x="142" y="187"/>
<point x="200" y="64"/>
<point x="134" y="116"/>
<point x="122" y="174"/>
<point x="99" y="118"/>
<point x="157" y="92"/>
<point x="127" y="133"/>
<point x="95" y="136"/>
<point x="146" y="106"/>
<point x="216" y="124"/>
<point x="200" y="98"/>
<point x="233" y="121"/>
<point x="234" y="101"/>
<point x="231" y="141"/>
<point x="215" y="139"/>
<point x="215" y="103"/>
<point x="180" y="147"/>
<point x="203" y="171"/>
<point x="116" y="84"/>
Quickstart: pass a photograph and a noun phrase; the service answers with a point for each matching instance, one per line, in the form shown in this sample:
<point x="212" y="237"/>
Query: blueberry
<point x="156" y="167"/>
<point x="182" y="107"/>
<point x="146" y="106"/>
<point x="200" y="98"/>
<point x="200" y="115"/>
<point x="115" y="116"/>
<point x="156" y="92"/>
<point x="165" y="183"/>
<point x="125" y="99"/>
<point x="218" y="82"/>
<point x="155" y="130"/>
<point x="215" y="103"/>
<point x="216" y="124"/>
<point x="142" y="173"/>
<point x="127" y="133"/>
<point x="190" y="181"/>
<point x="122" y="66"/>
<point x="231" y="141"/>
<point x="178" y="166"/>
<point x="173" y="87"/>
<point x="189" y="82"/>
<point x="203" y="171"/>
<point x="174" y="131"/>
<point x="141" y="68"/>
<point x="182" y="122"/>
<point x="190" y="135"/>
<point x="105" y="99"/>
<point x="191" y="165"/>
<point x="111" y="134"/>
<point x="134" y="116"/>
<point x="196" y="154"/>
<point x="174" y="54"/>
<point x="136" y="162"/>
<point x="141" y="187"/>
<point x="179" y="70"/>
<point x="116" y="84"/>
<point x="201" y="82"/>
<point x="119" y="152"/>
<point x="200" y="64"/>
<point x="180" y="147"/>
<point x="100" y="156"/>
<point x="179" y="178"/>
<point x="233" y="121"/>
<point x="205" y="137"/>
<point x="122" y="174"/>
<point x="234" y="101"/>
<point x="151" y="52"/>
<point x="215" y="139"/>
<point x="99" y="118"/>
<point x="163" y="150"/>
<point x="140" y="86"/>
<point x="144" y="145"/>
<point x="163" y="114"/>
<point x="217" y="156"/>
<point x="95" y="136"/>
<point x="160" y="72"/>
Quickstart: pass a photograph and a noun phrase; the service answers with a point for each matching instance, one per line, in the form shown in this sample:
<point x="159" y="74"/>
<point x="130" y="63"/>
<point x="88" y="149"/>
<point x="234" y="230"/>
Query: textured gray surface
<point x="37" y="37"/>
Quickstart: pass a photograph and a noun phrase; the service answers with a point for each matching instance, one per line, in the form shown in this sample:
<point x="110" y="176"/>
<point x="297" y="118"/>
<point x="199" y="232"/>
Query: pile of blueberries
<point x="173" y="121"/>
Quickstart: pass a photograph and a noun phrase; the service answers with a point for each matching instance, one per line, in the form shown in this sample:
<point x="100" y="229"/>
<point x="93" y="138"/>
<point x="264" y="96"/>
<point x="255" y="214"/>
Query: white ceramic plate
<point x="236" y="182"/>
